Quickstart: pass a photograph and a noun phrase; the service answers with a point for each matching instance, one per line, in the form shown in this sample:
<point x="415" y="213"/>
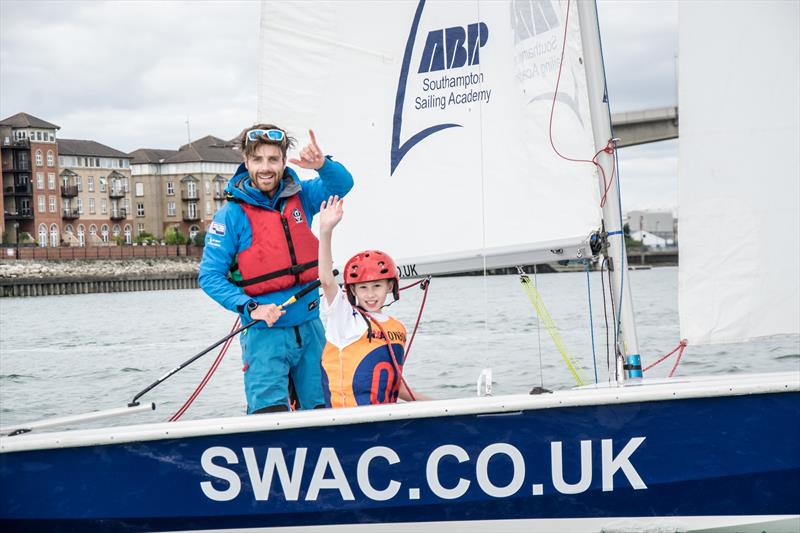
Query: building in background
<point x="95" y="191"/>
<point x="658" y="223"/>
<point x="30" y="193"/>
<point x="187" y="185"/>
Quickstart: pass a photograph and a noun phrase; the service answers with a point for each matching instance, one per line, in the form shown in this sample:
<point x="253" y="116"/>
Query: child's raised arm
<point x="330" y="213"/>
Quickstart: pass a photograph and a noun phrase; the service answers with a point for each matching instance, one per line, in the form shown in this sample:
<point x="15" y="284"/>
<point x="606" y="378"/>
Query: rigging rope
<point x="681" y="346"/>
<point x="550" y="326"/>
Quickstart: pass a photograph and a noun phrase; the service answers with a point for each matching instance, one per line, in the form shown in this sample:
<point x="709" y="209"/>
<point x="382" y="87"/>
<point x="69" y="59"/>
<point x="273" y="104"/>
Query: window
<point x="65" y="181"/>
<point x="39" y="162"/>
<point x="80" y="206"/>
<point x="208" y="187"/>
<point x="103" y="206"/>
<point x="104" y="232"/>
<point x="102" y="184"/>
<point x="40" y="202"/>
<point x="170" y="188"/>
<point x="120" y="163"/>
<point x="90" y="183"/>
<point x="96" y="162"/>
<point x="126" y="204"/>
<point x="140" y="210"/>
<point x="54" y="237"/>
<point x="208" y="208"/>
<point x="191" y="189"/>
<point x="38" y="135"/>
<point x="78" y="183"/>
<point x="52" y="204"/>
<point x="193" y="231"/>
<point x="139" y="188"/>
<point x="93" y="230"/>
<point x="139" y="229"/>
<point x="80" y="162"/>
<point x="51" y="181"/>
<point x="91" y="206"/>
<point x="42" y="235"/>
<point x="126" y="185"/>
<point x="171" y="209"/>
<point x="52" y="138"/>
<point x="115" y="230"/>
<point x="81" y="235"/>
<point x="128" y="234"/>
<point x="50" y="158"/>
<point x="40" y="181"/>
<point x="61" y="161"/>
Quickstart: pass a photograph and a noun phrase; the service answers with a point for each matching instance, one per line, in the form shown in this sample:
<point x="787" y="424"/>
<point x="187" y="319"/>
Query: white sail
<point x="440" y="110"/>
<point x="739" y="170"/>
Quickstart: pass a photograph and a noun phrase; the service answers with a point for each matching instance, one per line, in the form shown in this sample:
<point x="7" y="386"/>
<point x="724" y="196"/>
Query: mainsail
<point x="738" y="170"/>
<point x="441" y="111"/>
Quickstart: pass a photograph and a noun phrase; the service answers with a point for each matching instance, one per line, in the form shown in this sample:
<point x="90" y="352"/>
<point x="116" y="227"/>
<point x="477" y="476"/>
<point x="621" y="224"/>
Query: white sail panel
<point x="738" y="170"/>
<point x="440" y="110"/>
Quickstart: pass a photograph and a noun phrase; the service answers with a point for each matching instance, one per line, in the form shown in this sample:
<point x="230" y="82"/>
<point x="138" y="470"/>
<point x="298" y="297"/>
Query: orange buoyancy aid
<point x="363" y="373"/>
<point x="283" y="251"/>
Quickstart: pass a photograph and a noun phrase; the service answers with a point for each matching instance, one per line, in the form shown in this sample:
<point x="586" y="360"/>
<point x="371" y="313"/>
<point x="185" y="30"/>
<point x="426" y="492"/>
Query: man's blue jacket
<point x="230" y="233"/>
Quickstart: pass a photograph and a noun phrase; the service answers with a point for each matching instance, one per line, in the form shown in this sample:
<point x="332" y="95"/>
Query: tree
<point x="173" y="235"/>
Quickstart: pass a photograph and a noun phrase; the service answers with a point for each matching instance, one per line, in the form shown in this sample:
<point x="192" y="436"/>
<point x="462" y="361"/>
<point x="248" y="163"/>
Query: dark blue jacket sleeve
<point x="222" y="243"/>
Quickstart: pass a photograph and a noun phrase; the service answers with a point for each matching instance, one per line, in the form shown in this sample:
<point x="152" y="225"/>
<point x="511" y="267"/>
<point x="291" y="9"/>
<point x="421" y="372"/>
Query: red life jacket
<point x="283" y="252"/>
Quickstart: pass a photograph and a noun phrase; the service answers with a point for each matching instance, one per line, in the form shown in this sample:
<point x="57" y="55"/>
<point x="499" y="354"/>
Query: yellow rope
<point x="549" y="324"/>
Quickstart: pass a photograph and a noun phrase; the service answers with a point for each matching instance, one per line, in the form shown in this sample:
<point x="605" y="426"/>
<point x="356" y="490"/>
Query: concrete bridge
<point x="646" y="126"/>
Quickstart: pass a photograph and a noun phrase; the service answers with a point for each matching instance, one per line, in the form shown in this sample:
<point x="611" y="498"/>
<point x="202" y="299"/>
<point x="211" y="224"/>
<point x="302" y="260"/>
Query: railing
<point x="22" y="214"/>
<point x="119" y="214"/>
<point x="21" y="166"/>
<point x="69" y="191"/>
<point x="70" y="214"/>
<point x="219" y="195"/>
<point x="116" y="192"/>
<point x="191" y="217"/>
<point x="188" y="196"/>
<point x="19" y="190"/>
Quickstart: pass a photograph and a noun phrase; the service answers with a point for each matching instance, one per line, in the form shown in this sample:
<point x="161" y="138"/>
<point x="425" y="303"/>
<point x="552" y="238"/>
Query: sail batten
<point x="441" y="112"/>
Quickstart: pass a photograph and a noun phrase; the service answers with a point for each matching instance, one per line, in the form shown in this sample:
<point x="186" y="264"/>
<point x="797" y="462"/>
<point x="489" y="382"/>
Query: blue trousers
<point x="271" y="355"/>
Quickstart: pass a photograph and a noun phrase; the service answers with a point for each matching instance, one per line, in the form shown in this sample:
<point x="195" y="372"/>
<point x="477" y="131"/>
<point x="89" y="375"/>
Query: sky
<point x="130" y="74"/>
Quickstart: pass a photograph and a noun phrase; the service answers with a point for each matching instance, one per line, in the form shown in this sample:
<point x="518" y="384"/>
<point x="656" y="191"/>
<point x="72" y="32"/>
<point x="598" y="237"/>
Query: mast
<point x="627" y="341"/>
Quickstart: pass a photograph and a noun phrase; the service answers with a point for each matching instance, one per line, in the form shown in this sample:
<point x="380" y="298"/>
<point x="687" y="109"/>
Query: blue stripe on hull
<point x="715" y="456"/>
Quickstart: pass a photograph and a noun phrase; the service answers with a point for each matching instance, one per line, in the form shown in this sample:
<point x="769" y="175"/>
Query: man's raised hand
<point x="311" y="156"/>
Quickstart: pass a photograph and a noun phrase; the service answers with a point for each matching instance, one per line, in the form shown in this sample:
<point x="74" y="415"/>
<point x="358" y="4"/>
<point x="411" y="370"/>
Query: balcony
<point x="191" y="216"/>
<point x="119" y="214"/>
<point x="69" y="191"/>
<point x="21" y="214"/>
<point x="219" y="195"/>
<point x="189" y="196"/>
<point x="19" y="190"/>
<point x="115" y="192"/>
<point x="70" y="214"/>
<point x="16" y="143"/>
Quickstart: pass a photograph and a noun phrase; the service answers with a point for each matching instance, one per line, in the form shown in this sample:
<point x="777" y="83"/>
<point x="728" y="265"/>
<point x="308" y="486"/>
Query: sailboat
<point x="443" y="111"/>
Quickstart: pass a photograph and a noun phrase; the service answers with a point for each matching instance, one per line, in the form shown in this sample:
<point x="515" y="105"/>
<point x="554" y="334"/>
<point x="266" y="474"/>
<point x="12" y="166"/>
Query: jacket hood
<point x="240" y="188"/>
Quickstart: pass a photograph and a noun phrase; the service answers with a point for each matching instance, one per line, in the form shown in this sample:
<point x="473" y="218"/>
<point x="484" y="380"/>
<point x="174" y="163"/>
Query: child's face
<point x="371" y="295"/>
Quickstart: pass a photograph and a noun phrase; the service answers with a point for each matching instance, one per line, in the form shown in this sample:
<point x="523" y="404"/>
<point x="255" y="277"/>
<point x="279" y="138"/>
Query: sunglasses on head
<point x="265" y="135"/>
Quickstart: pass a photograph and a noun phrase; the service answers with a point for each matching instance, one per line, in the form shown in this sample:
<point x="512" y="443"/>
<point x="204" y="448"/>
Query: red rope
<point x="681" y="346"/>
<point x="609" y="148"/>
<point x="391" y="351"/>
<point x="419" y="316"/>
<point x="222" y="351"/>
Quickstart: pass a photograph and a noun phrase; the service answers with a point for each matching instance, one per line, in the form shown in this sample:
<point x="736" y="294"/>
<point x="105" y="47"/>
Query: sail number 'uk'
<point x="329" y="475"/>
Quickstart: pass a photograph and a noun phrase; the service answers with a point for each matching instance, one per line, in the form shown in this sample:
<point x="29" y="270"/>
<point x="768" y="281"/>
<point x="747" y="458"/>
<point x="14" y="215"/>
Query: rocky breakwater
<point x="34" y="278"/>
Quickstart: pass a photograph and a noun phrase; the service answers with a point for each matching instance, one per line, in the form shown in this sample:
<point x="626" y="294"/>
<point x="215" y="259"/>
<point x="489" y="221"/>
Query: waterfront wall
<point x="58" y="286"/>
<point x="35" y="253"/>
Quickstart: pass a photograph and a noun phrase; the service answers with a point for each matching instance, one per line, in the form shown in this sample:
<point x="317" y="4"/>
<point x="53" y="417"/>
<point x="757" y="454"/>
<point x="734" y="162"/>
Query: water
<point x="63" y="355"/>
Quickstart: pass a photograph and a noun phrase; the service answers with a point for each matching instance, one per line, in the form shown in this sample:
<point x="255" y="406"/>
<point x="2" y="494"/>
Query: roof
<point x="151" y="155"/>
<point x="209" y="148"/>
<point x="92" y="148"/>
<point x="24" y="120"/>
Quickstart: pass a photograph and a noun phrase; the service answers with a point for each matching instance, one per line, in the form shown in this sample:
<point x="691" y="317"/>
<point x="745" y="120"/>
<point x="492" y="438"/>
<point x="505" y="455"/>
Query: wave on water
<point x="14" y="377"/>
<point x="130" y="369"/>
<point x="786" y="356"/>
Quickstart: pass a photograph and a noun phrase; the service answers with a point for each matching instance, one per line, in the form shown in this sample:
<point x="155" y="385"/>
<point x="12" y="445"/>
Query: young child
<point x="362" y="362"/>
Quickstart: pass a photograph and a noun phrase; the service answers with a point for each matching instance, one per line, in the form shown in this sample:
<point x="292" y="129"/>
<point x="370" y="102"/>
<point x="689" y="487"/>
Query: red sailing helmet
<point x="371" y="265"/>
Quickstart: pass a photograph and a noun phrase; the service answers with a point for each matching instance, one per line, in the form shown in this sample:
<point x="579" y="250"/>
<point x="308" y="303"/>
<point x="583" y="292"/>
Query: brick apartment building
<point x="30" y="193"/>
<point x="72" y="192"/>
